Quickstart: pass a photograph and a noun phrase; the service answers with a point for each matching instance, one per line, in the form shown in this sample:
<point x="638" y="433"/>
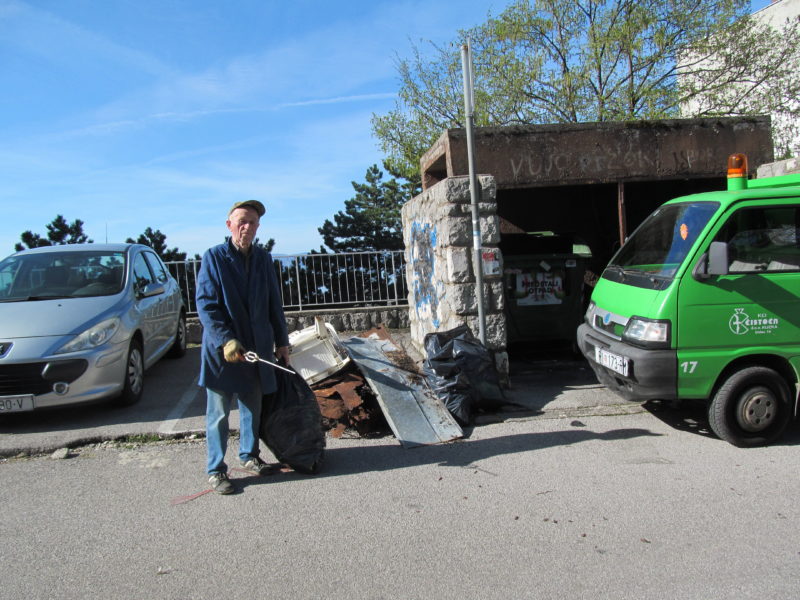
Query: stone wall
<point x="342" y="319"/>
<point x="437" y="230"/>
<point x="790" y="166"/>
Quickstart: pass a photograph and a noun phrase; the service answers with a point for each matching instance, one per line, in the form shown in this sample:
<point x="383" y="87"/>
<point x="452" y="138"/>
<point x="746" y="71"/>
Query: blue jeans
<point x="218" y="407"/>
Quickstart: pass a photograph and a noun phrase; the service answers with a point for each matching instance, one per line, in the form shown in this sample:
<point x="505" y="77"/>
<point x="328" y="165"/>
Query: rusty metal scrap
<point x="346" y="402"/>
<point x="415" y="415"/>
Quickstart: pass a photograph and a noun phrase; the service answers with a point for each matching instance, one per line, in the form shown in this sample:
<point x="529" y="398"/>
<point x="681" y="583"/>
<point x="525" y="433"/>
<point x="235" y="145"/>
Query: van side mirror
<point x="718" y="258"/>
<point x="713" y="262"/>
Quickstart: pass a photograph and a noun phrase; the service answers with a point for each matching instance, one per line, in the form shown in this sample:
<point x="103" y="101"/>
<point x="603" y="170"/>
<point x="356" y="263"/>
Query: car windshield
<point x="652" y="255"/>
<point x="68" y="274"/>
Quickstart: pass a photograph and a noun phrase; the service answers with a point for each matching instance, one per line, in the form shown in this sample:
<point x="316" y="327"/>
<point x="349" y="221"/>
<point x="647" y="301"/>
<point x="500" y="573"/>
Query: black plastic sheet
<point x="291" y="424"/>
<point x="462" y="373"/>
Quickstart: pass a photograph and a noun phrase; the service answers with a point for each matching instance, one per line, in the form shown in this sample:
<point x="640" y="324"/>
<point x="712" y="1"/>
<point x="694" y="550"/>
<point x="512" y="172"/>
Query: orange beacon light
<point x="737" y="172"/>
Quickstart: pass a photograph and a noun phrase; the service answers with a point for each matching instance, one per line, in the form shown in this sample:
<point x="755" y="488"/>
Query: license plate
<point x="615" y="362"/>
<point x="15" y="403"/>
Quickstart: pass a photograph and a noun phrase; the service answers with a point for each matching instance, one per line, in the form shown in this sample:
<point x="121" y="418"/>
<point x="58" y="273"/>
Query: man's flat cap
<point x="254" y="204"/>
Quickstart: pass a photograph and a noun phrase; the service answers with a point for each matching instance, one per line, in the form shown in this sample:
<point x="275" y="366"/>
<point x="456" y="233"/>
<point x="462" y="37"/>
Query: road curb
<point x="607" y="410"/>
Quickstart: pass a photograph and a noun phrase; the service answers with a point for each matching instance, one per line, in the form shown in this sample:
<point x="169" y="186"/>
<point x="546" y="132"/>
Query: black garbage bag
<point x="291" y="424"/>
<point x="462" y="373"/>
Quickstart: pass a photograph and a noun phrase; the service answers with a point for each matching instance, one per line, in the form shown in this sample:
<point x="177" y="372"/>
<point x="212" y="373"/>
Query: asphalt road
<point x="616" y="507"/>
<point x="572" y="495"/>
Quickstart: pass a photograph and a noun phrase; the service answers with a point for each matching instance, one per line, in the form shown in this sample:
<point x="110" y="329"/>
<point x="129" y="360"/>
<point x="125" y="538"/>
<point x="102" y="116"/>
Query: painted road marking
<point x="179" y="410"/>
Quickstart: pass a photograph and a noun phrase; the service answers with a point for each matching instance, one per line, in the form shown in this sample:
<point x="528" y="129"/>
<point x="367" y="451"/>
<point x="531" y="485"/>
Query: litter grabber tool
<point x="252" y="357"/>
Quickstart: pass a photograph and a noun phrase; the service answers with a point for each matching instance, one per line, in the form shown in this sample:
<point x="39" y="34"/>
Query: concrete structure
<point x="789" y="166"/>
<point x="437" y="229"/>
<point x="597" y="180"/>
<point x="590" y="181"/>
<point x="590" y="153"/>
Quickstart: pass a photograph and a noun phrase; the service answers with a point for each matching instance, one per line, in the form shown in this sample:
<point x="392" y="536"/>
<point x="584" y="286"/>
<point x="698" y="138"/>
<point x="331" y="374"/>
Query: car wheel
<point x="178" y="348"/>
<point x="134" y="375"/>
<point x="751" y="408"/>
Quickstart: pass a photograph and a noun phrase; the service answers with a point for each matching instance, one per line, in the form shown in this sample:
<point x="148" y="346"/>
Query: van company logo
<point x="741" y="323"/>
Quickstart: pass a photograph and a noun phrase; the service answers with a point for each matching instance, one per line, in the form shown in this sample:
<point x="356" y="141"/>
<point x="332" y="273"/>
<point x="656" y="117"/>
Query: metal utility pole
<point x="474" y="188"/>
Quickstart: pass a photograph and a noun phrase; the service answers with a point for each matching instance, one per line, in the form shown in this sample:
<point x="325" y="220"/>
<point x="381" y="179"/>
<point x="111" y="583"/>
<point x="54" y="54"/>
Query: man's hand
<point x="282" y="354"/>
<point x="233" y="351"/>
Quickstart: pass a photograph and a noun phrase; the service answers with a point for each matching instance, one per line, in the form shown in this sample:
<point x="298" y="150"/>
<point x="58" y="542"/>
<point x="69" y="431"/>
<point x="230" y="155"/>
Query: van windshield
<point x="653" y="253"/>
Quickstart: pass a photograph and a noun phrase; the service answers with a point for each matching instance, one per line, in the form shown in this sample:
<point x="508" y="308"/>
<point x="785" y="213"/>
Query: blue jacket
<point x="233" y="305"/>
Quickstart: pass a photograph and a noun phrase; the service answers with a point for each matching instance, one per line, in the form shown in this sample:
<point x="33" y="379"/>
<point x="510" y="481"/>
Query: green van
<point x="703" y="302"/>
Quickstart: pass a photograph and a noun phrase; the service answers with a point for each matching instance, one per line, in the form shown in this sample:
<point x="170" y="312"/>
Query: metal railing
<point x="311" y="281"/>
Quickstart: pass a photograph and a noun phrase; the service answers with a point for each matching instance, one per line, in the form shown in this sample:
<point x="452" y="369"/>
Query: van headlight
<point x="93" y="337"/>
<point x="589" y="315"/>
<point x="647" y="333"/>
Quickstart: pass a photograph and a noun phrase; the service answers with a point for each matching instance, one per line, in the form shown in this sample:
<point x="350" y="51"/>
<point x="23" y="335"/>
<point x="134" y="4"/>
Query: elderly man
<point x="239" y="304"/>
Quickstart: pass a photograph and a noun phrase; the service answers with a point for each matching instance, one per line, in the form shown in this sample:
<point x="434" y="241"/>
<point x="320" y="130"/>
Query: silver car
<point x="82" y="322"/>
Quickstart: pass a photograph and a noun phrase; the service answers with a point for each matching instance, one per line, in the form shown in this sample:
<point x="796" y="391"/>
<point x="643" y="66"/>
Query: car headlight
<point x="91" y="338"/>
<point x="647" y="333"/>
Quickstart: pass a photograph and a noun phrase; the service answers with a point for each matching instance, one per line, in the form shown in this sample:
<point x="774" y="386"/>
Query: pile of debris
<point x="370" y="385"/>
<point x="345" y="399"/>
<point x="348" y="403"/>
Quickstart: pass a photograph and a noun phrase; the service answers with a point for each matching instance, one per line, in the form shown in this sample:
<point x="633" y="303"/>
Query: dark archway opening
<point x="556" y="240"/>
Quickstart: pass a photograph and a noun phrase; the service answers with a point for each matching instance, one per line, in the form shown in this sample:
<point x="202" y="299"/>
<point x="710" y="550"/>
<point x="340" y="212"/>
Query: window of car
<point x="141" y="274"/>
<point x="156" y="266"/>
<point x="61" y="274"/>
<point x="763" y="239"/>
<point x="8" y="272"/>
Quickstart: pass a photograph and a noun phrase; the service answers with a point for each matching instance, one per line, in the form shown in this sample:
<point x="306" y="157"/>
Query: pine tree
<point x="59" y="231"/>
<point x="371" y="219"/>
<point x="158" y="242"/>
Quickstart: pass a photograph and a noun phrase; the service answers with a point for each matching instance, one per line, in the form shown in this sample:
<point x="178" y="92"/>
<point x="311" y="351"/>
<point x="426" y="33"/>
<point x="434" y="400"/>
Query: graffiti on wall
<point x="426" y="300"/>
<point x="608" y="161"/>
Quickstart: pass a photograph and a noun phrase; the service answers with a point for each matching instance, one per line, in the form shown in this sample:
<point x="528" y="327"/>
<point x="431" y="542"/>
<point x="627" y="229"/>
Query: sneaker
<point x="220" y="483"/>
<point x="255" y="465"/>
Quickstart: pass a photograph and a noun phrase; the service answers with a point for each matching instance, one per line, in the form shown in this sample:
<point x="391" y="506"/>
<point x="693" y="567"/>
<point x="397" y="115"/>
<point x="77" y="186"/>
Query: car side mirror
<point x="152" y="289"/>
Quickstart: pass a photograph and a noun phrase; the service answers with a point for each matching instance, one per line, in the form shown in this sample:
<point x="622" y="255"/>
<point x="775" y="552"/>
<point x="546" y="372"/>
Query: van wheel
<point x="134" y="376"/>
<point x="751" y="408"/>
<point x="178" y="348"/>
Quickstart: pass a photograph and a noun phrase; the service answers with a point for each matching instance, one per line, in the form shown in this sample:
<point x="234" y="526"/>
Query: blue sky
<point x="129" y="114"/>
